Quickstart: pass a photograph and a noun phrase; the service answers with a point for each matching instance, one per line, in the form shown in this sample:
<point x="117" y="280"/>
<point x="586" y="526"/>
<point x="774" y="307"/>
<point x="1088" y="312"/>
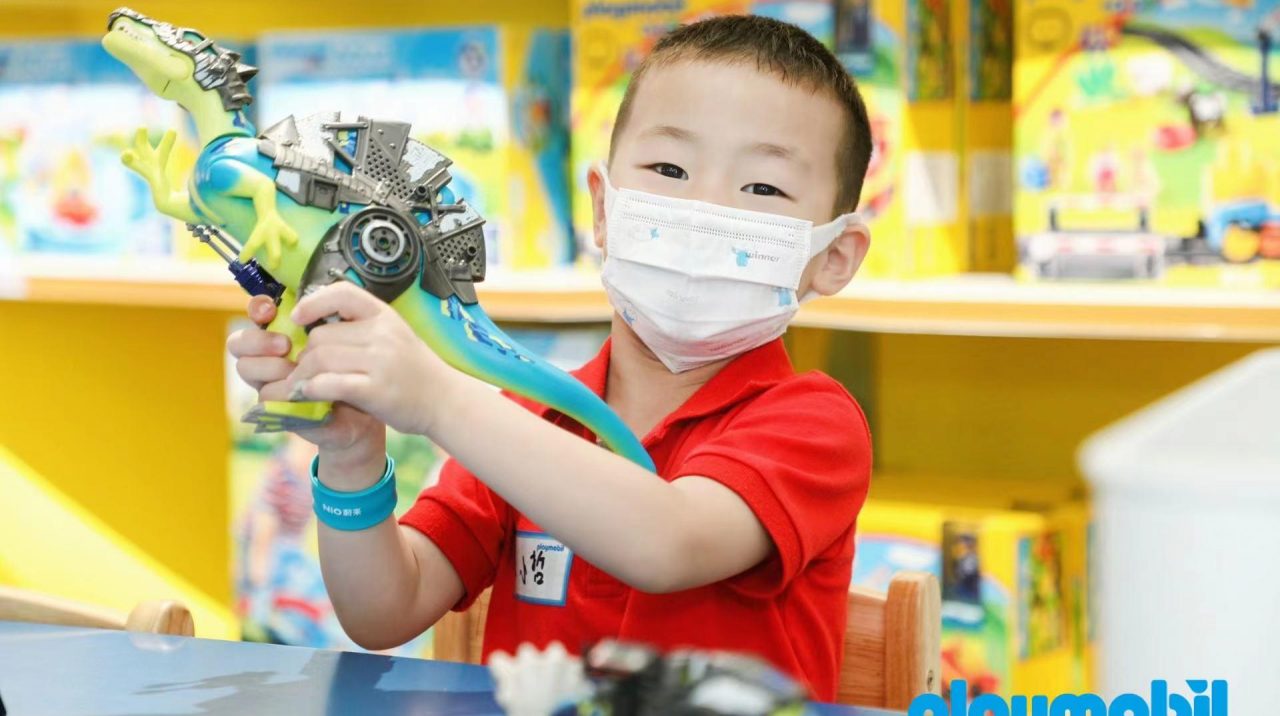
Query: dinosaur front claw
<point x="151" y="163"/>
<point x="270" y="233"/>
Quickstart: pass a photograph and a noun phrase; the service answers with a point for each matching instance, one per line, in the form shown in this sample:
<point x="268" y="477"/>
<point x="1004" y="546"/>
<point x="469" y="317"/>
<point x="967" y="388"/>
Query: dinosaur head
<point x="177" y="63"/>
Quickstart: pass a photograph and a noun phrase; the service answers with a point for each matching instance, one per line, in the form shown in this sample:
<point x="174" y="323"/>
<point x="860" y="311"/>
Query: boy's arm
<point x="654" y="535"/>
<point x="387" y="583"/>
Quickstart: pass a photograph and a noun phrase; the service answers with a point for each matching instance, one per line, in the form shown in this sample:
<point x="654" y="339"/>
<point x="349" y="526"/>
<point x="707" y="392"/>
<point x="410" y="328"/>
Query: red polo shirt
<point x="795" y="447"/>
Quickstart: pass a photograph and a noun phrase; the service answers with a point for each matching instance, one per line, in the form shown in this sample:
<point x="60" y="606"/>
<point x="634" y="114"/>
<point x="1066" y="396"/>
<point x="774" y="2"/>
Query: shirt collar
<point x="746" y="375"/>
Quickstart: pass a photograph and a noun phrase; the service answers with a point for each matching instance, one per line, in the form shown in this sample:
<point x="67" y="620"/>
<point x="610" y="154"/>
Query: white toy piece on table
<point x="537" y="683"/>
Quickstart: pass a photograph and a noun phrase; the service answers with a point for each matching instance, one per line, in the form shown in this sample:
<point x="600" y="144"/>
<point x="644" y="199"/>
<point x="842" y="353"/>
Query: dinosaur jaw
<point x="159" y="67"/>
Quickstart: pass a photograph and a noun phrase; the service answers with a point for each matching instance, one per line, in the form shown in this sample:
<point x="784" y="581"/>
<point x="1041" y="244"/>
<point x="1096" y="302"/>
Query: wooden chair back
<point x="892" y="643"/>
<point x="459" y="636"/>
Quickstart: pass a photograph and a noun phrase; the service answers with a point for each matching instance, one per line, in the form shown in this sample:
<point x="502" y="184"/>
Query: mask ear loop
<point x="610" y="193"/>
<point x="610" y="198"/>
<point x="821" y="238"/>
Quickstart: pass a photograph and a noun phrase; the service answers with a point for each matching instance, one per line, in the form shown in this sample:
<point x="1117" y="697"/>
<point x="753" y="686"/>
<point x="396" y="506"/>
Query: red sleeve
<point x="799" y="455"/>
<point x="468" y="522"/>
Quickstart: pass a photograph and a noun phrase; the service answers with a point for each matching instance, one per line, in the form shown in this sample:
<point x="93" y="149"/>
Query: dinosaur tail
<point x="466" y="338"/>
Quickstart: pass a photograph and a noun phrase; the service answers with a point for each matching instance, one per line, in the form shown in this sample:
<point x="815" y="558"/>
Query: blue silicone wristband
<point x="352" y="511"/>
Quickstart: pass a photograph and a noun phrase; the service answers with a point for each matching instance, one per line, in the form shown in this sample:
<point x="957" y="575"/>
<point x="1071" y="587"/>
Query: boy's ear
<point x="595" y="184"/>
<point x="840" y="261"/>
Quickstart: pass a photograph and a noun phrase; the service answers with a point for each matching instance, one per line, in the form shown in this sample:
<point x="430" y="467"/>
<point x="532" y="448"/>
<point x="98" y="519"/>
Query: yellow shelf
<point x="555" y="296"/>
<point x="971" y="305"/>
<point x="996" y="305"/>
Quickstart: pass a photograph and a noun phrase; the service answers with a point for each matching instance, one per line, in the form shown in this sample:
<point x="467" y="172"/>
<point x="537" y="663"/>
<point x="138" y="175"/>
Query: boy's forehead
<point x="715" y="80"/>
<point x="732" y="97"/>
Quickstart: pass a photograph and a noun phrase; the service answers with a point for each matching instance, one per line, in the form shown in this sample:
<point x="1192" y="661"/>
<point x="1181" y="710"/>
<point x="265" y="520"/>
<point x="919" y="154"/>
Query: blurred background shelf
<point x="970" y="305"/>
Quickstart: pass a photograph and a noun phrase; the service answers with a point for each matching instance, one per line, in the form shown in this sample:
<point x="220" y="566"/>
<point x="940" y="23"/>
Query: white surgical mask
<point x="700" y="282"/>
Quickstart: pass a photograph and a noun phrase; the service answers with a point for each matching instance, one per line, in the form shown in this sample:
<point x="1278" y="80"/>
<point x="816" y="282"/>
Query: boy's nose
<point x="712" y="190"/>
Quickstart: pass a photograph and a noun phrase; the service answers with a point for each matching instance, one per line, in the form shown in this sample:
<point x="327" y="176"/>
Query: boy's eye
<point x="762" y="189"/>
<point x="670" y="171"/>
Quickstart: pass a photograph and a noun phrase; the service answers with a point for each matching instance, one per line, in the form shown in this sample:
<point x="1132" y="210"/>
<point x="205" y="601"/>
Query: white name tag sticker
<point x="542" y="569"/>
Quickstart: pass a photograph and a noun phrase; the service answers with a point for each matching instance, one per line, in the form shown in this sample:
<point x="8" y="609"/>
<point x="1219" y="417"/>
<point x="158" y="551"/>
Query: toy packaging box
<point x="67" y="109"/>
<point x="494" y="99"/>
<point x="903" y="54"/>
<point x="278" y="589"/>
<point x="1014" y="579"/>
<point x="986" y="116"/>
<point x="611" y="37"/>
<point x="1148" y="141"/>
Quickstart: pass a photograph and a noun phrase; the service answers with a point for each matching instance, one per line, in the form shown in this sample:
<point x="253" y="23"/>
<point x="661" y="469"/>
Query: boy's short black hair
<point x="786" y="51"/>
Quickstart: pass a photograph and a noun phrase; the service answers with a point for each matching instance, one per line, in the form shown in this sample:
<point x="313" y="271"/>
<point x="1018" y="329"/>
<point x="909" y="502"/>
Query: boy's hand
<point x="371" y="359"/>
<point x="351" y="435"/>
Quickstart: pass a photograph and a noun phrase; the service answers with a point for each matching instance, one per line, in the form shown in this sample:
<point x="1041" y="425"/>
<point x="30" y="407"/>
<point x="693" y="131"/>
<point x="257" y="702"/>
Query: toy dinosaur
<point x="328" y="198"/>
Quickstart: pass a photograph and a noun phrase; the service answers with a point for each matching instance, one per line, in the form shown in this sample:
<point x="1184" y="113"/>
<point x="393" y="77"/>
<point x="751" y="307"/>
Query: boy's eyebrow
<point x="768" y="149"/>
<point x="773" y="150"/>
<point x="667" y="130"/>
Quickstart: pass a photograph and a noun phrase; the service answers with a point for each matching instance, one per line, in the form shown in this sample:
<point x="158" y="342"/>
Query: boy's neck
<point x="640" y="388"/>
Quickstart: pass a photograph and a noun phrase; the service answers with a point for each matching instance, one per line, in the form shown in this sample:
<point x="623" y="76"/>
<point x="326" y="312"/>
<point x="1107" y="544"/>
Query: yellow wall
<point x="122" y="409"/>
<point x="1004" y="408"/>
<point x="1017" y="407"/>
<point x="83" y="559"/>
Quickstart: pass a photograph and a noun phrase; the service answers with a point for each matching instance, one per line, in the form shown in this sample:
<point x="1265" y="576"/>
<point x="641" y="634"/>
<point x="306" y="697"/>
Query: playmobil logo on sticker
<point x="1210" y="699"/>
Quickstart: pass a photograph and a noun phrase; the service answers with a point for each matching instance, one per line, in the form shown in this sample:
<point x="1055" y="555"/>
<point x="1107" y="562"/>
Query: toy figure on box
<point x="329" y="198"/>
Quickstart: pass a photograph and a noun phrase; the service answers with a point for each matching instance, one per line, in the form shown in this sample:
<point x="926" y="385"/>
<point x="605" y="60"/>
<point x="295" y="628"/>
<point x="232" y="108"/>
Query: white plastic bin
<point x="1187" y="542"/>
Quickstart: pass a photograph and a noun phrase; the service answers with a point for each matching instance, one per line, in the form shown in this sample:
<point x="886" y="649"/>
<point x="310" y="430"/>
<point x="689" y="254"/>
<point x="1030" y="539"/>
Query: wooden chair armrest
<point x="21" y="605"/>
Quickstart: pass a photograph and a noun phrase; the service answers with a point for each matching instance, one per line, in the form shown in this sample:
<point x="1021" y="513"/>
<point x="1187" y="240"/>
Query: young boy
<point x="738" y="141"/>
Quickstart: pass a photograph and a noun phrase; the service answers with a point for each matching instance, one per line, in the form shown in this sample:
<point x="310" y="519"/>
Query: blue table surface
<point x="65" y="671"/>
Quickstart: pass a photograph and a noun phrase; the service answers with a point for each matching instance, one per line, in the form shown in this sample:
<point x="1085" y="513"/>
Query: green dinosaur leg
<point x="178" y="205"/>
<point x="273" y="416"/>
